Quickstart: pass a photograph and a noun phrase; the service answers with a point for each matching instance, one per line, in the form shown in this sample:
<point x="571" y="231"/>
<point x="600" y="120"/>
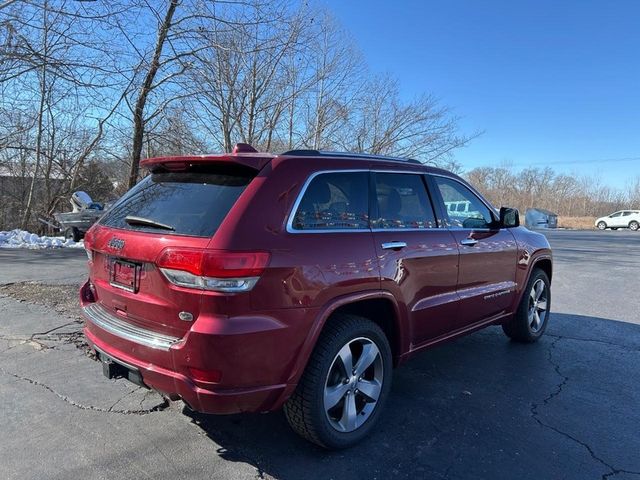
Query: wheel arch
<point x="379" y="306"/>
<point x="543" y="262"/>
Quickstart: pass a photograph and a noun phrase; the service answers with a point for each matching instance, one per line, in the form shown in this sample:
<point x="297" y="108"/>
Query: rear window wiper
<point x="147" y="222"/>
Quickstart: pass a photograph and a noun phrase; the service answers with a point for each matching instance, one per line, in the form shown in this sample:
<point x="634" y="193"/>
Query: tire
<point x="602" y="226"/>
<point x="325" y="381"/>
<point x="532" y="316"/>
<point x="634" y="226"/>
<point x="614" y="228"/>
<point x="72" y="233"/>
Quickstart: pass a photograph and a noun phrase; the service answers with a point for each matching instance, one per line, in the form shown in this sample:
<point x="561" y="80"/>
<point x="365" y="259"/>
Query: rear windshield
<point x="190" y="203"/>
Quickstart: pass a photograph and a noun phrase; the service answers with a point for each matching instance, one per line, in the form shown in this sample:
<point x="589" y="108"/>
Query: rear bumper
<point x="254" y="357"/>
<point x="171" y="383"/>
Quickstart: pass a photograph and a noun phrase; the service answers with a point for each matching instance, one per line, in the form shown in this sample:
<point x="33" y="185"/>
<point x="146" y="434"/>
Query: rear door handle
<point x="468" y="242"/>
<point x="394" y="245"/>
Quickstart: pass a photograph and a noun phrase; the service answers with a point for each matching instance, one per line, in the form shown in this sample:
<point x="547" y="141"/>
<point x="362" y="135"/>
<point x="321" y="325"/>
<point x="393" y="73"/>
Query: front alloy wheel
<point x="602" y="226"/>
<point x="537" y="305"/>
<point x="530" y="319"/>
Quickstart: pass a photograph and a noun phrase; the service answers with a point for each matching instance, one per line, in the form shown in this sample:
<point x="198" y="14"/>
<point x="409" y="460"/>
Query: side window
<point x="626" y="214"/>
<point x="617" y="214"/>
<point x="402" y="202"/>
<point x="463" y="208"/>
<point x="334" y="201"/>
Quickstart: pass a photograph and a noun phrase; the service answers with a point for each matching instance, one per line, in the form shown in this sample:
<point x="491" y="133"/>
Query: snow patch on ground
<point x="23" y="239"/>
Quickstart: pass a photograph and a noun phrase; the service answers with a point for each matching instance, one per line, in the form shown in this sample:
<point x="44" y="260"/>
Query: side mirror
<point x="509" y="217"/>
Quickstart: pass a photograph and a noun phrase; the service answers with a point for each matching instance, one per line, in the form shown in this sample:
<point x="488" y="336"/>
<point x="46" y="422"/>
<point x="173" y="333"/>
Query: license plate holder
<point x="125" y="275"/>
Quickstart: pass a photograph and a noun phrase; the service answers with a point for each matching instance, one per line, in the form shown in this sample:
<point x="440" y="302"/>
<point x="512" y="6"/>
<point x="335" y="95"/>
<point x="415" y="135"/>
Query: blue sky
<point x="552" y="83"/>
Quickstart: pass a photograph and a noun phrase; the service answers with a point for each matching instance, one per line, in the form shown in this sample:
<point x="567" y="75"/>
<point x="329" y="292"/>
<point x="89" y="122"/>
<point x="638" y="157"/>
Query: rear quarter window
<point x="193" y="202"/>
<point x="334" y="201"/>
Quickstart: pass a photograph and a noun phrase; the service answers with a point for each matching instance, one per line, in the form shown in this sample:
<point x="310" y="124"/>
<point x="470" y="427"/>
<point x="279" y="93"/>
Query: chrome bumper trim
<point x="100" y="317"/>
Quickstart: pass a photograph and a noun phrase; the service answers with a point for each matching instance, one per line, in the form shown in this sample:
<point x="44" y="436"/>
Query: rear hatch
<point x="169" y="209"/>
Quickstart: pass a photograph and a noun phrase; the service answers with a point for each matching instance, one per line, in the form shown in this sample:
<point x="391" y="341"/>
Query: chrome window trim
<point x="296" y="204"/>
<point x="412" y="229"/>
<point x="303" y="190"/>
<point x="99" y="316"/>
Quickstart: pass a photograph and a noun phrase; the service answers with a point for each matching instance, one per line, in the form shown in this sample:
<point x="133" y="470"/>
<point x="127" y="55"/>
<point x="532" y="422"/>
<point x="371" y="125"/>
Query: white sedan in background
<point x="620" y="219"/>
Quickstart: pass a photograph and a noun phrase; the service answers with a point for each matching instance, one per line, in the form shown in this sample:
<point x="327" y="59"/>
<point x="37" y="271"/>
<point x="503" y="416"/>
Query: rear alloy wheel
<point x="602" y="225"/>
<point x="531" y="318"/>
<point x="345" y="385"/>
<point x="634" y="225"/>
<point x="353" y="385"/>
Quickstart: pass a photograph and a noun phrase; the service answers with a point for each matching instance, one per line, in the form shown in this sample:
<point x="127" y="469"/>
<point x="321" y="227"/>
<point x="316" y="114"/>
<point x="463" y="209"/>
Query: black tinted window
<point x="463" y="208"/>
<point x="334" y="201"/>
<point x="402" y="202"/>
<point x="193" y="202"/>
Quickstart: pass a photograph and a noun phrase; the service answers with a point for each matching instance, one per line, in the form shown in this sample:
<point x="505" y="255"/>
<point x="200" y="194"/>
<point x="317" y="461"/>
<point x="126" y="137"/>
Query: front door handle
<point x="394" y="245"/>
<point x="468" y="242"/>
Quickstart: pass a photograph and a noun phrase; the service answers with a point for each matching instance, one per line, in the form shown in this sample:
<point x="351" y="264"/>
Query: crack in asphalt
<point x="535" y="415"/>
<point x="594" y="340"/>
<point x="123" y="397"/>
<point x="158" y="408"/>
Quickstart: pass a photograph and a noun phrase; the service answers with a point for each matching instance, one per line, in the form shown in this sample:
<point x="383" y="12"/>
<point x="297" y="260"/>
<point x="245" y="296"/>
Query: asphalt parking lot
<point x="481" y="407"/>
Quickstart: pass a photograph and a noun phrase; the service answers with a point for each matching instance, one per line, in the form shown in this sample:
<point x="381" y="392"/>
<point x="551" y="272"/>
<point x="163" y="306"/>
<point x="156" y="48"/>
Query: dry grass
<point x="576" y="223"/>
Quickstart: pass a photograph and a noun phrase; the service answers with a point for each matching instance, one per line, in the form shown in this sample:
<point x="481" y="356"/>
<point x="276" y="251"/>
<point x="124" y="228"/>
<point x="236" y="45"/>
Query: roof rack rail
<point x="365" y="156"/>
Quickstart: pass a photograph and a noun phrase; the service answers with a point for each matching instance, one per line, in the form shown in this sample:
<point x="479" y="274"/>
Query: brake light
<point x="185" y="260"/>
<point x="221" y="271"/>
<point x="234" y="264"/>
<point x="88" y="243"/>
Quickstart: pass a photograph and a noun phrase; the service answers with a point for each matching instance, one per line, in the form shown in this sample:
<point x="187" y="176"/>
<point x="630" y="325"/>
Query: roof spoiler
<point x="242" y="154"/>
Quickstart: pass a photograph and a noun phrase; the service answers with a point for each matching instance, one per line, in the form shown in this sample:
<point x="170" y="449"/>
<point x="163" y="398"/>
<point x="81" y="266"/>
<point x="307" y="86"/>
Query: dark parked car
<point x="246" y="282"/>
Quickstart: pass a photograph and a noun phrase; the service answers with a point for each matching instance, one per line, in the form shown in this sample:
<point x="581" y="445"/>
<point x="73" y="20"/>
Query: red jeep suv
<point x="246" y="282"/>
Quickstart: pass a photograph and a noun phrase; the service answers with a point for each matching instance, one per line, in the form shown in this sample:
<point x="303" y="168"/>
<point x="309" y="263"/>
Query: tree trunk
<point x="43" y="94"/>
<point x="147" y="86"/>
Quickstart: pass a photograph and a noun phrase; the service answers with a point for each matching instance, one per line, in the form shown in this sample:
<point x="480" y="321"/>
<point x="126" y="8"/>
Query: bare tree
<point x="147" y="86"/>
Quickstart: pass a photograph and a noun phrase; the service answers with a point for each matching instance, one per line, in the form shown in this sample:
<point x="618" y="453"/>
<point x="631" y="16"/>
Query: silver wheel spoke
<point x="349" y="414"/>
<point x="333" y="395"/>
<point x="347" y="359"/>
<point x="539" y="289"/>
<point x="368" y="356"/>
<point x="370" y="389"/>
<point x="538" y="305"/>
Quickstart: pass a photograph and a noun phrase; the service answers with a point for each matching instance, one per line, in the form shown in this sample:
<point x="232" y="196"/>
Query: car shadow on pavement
<point x="478" y="407"/>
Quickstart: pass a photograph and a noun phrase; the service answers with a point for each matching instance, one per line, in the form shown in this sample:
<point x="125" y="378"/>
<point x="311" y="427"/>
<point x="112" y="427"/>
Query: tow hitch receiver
<point x="111" y="368"/>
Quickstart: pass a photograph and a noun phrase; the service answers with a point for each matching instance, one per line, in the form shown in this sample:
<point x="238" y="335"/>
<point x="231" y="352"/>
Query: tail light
<point x="88" y="243"/>
<point x="220" y="271"/>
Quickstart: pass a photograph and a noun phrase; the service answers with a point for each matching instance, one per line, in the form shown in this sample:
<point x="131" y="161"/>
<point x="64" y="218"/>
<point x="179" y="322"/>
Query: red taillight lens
<point x="186" y="260"/>
<point x="234" y="264"/>
<point x="88" y="244"/>
<point x="217" y="264"/>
